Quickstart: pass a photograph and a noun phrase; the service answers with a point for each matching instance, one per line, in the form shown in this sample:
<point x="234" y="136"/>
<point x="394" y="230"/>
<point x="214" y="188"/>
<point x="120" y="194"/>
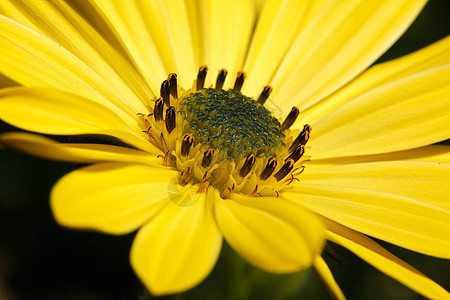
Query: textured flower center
<point x="222" y="138"/>
<point x="231" y="122"/>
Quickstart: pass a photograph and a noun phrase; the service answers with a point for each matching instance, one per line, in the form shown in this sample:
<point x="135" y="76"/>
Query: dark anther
<point x="298" y="152"/>
<point x="188" y="140"/>
<point x="239" y="81"/>
<point x="268" y="170"/>
<point x="290" y="119"/>
<point x="221" y="78"/>
<point x="207" y="157"/>
<point x="265" y="94"/>
<point x="201" y="77"/>
<point x="248" y="164"/>
<point x="173" y="85"/>
<point x="158" y="110"/>
<point x="285" y="169"/>
<point x="170" y="119"/>
<point x="165" y="92"/>
<point x="302" y="137"/>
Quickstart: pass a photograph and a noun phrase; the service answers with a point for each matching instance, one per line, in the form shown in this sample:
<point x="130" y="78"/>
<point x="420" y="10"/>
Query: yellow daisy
<point x="263" y="126"/>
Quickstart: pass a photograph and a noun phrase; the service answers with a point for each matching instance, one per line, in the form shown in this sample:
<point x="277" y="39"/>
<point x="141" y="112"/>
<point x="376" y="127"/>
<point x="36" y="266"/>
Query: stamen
<point x="158" y="110"/>
<point x="265" y="94"/>
<point x="285" y="169"/>
<point x="254" y="191"/>
<point x="221" y="134"/>
<point x="173" y="85"/>
<point x="170" y="119"/>
<point x="268" y="170"/>
<point x="239" y="81"/>
<point x="232" y="188"/>
<point x="298" y="152"/>
<point x="165" y="92"/>
<point x="290" y="119"/>
<point x="185" y="176"/>
<point x="166" y="149"/>
<point x="150" y="135"/>
<point x="201" y="77"/>
<point x="290" y="180"/>
<point x="248" y="164"/>
<point x="207" y="157"/>
<point x="188" y="140"/>
<point x="221" y="78"/>
<point x="302" y="138"/>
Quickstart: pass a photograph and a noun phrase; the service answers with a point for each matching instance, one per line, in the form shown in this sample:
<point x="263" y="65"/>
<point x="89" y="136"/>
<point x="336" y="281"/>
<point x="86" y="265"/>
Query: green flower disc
<point x="232" y="122"/>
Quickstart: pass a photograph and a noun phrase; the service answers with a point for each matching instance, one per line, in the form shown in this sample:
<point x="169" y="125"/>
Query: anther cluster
<point x="231" y="122"/>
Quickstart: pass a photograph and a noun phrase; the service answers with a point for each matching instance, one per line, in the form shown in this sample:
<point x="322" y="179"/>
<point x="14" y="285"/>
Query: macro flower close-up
<point x="264" y="125"/>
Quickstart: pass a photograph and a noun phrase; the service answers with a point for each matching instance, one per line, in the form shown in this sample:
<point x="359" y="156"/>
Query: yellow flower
<point x="367" y="165"/>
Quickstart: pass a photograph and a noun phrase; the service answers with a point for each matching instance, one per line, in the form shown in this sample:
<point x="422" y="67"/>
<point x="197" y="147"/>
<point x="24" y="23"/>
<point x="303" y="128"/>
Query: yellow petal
<point x="165" y="24"/>
<point x="425" y="181"/>
<point x="321" y="267"/>
<point x="58" y="21"/>
<point x="277" y="27"/>
<point x="32" y="59"/>
<point x="178" y="248"/>
<point x="83" y="153"/>
<point x="271" y="233"/>
<point x="403" y="221"/>
<point x="405" y="114"/>
<point x="51" y="111"/>
<point x="227" y="30"/>
<point x="128" y="23"/>
<point x="427" y="58"/>
<point x="168" y="25"/>
<point x="258" y="6"/>
<point x="114" y="198"/>
<point x="437" y="153"/>
<point x="383" y="260"/>
<point x="197" y="21"/>
<point x="339" y="43"/>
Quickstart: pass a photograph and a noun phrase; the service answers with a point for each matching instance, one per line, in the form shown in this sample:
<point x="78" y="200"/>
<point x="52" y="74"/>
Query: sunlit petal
<point x="83" y="153"/>
<point x="271" y="233"/>
<point x="227" y="30"/>
<point x="167" y="22"/>
<point x="116" y="198"/>
<point x="32" y="59"/>
<point x="427" y="58"/>
<point x="135" y="38"/>
<point x="51" y="111"/>
<point x="437" y="153"/>
<point x="403" y="221"/>
<point x="425" y="181"/>
<point x="165" y="28"/>
<point x="177" y="249"/>
<point x="407" y="113"/>
<point x="383" y="260"/>
<point x="58" y="21"/>
<point x="340" y="42"/>
<point x="277" y="27"/>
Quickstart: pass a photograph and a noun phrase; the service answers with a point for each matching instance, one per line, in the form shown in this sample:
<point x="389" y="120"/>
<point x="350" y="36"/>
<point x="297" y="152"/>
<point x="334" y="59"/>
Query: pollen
<point x="225" y="139"/>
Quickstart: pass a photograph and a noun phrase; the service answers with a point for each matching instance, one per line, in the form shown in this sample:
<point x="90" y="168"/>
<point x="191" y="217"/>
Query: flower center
<point x="222" y="138"/>
<point x="231" y="122"/>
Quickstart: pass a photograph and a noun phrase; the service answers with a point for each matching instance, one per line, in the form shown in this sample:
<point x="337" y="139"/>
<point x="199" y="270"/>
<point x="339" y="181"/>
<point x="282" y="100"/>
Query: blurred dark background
<point x="41" y="260"/>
